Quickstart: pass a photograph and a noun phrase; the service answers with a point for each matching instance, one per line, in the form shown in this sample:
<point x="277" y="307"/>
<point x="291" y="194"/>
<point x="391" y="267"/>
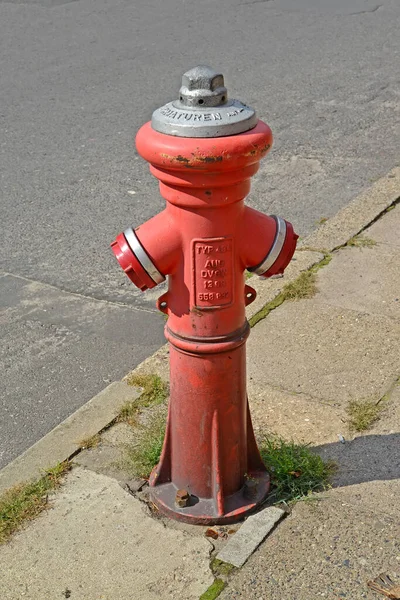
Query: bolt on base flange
<point x="204" y="511"/>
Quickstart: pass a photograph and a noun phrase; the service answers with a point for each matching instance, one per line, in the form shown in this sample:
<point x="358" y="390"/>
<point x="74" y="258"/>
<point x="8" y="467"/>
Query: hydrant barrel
<point x="204" y="148"/>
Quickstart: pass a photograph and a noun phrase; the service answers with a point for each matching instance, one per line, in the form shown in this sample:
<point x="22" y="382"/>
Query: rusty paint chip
<point x="212" y="534"/>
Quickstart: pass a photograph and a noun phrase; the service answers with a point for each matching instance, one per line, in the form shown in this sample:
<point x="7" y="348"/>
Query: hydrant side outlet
<point x="204" y="150"/>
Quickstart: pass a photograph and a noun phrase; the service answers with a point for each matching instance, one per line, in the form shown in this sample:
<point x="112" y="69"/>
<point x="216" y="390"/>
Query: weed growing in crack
<point x="24" y="502"/>
<point x="140" y="457"/>
<point x="363" y="414"/>
<point x="361" y="241"/>
<point x="154" y="389"/>
<point x="154" y="392"/>
<point x="90" y="442"/>
<point x="295" y="470"/>
<point x="302" y="287"/>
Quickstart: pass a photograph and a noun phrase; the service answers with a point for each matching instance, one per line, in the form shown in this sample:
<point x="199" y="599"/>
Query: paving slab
<point x="372" y="496"/>
<point x="293" y="416"/>
<point x="98" y="543"/>
<point x="389" y="421"/>
<point x="317" y="553"/>
<point x="325" y="352"/>
<point x="354" y="281"/>
<point x="367" y="278"/>
<point x="386" y="230"/>
<point x="107" y="457"/>
<point x="366" y="458"/>
<point x="156" y="363"/>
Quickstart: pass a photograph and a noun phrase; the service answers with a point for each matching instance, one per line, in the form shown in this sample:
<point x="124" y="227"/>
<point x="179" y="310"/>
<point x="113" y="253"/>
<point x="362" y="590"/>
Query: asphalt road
<point x="78" y="78"/>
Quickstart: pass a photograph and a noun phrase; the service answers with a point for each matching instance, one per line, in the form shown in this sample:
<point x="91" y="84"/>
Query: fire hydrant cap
<point x="203" y="109"/>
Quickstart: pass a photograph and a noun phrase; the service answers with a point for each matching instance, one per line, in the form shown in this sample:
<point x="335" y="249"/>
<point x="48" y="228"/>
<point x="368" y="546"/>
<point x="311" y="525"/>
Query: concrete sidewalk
<point x="306" y="361"/>
<point x="342" y="345"/>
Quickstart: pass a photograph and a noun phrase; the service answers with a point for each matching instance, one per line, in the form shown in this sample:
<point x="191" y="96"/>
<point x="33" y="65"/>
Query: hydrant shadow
<point x="366" y="458"/>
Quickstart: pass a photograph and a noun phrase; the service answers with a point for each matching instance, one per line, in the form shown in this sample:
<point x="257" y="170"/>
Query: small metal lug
<point x="182" y="498"/>
<point x="250" y="489"/>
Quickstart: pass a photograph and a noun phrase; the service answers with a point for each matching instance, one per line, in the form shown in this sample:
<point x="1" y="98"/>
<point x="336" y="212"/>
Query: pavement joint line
<point x="374" y="220"/>
<point x="11" y="474"/>
<point x="78" y="295"/>
<point x="307" y="396"/>
<point x="280" y="297"/>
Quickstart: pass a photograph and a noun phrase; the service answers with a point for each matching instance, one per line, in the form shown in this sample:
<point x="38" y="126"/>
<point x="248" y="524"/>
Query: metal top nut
<point x="202" y="86"/>
<point x="203" y="109"/>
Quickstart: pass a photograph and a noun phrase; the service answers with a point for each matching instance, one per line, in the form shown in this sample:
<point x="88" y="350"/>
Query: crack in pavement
<point x="363" y="12"/>
<point x="255" y="2"/>
<point x="77" y="294"/>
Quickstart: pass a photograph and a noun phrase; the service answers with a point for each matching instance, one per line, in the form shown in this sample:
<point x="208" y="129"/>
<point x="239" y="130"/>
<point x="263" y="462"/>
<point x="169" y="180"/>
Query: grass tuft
<point x="90" y="442"/>
<point x="360" y="241"/>
<point x="214" y="590"/>
<point x="295" y="470"/>
<point x="362" y="414"/>
<point x="154" y="392"/>
<point x="141" y="457"/>
<point x="302" y="287"/>
<point x="24" y="502"/>
<point x="129" y="413"/>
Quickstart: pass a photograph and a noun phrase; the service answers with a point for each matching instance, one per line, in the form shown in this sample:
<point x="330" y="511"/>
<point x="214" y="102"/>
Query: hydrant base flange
<point x="203" y="511"/>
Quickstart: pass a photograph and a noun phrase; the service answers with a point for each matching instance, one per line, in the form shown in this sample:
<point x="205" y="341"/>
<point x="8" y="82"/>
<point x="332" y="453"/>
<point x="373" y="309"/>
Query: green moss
<point x="214" y="590"/>
<point x="219" y="567"/>
<point x="24" y="502"/>
<point x="295" y="470"/>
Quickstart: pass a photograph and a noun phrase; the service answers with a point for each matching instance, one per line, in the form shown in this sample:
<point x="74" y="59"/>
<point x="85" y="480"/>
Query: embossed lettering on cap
<point x="203" y="108"/>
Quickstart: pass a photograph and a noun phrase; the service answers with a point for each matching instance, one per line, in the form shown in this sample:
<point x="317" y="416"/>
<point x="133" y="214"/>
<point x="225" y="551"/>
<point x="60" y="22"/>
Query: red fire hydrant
<point x="204" y="149"/>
